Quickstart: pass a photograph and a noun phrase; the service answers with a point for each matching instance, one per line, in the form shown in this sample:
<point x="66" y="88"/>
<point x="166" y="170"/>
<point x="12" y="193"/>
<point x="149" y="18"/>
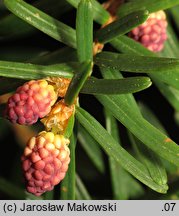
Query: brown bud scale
<point x="57" y="119"/>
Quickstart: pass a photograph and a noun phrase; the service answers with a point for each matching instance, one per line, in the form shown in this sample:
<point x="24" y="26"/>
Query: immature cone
<point x="31" y="101"/>
<point x="45" y="162"/>
<point x="152" y="33"/>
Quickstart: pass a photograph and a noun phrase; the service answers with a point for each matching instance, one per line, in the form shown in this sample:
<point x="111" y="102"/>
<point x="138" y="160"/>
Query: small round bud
<point x="45" y="166"/>
<point x="153" y="32"/>
<point x="31" y="101"/>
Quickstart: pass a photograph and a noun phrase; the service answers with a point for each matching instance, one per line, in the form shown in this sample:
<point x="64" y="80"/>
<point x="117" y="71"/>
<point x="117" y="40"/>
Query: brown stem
<point x="112" y="6"/>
